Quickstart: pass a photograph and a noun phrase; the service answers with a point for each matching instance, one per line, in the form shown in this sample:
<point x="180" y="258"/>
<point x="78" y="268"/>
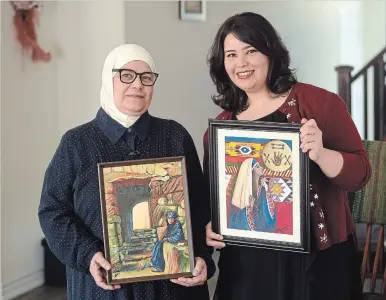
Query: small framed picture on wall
<point x="191" y="10"/>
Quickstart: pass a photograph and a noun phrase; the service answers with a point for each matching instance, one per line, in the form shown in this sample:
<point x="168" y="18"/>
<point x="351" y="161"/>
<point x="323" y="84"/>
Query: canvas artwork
<point x="146" y="218"/>
<point x="258" y="179"/>
<point x="258" y="174"/>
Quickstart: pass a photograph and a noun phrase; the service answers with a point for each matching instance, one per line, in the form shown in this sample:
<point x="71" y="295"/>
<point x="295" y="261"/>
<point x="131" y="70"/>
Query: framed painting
<point x="146" y="219"/>
<point x="191" y="10"/>
<point x="259" y="184"/>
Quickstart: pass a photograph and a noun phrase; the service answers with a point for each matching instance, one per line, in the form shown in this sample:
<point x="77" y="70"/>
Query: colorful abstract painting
<point x="146" y="219"/>
<point x="259" y="183"/>
<point x="258" y="174"/>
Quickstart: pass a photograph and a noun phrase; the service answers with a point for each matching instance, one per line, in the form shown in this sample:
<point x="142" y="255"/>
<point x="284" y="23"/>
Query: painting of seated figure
<point x="146" y="219"/>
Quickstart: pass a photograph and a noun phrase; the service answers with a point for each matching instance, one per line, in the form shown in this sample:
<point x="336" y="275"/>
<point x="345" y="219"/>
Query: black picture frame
<point x="233" y="215"/>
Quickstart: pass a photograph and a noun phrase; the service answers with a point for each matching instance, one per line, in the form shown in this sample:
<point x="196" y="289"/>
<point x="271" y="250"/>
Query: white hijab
<point x="117" y="58"/>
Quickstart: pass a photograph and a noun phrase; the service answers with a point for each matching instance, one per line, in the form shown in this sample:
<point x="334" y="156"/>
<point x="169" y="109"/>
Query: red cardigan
<point x="331" y="217"/>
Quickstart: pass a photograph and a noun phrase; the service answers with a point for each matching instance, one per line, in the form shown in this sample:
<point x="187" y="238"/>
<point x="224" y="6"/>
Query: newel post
<point x="344" y="84"/>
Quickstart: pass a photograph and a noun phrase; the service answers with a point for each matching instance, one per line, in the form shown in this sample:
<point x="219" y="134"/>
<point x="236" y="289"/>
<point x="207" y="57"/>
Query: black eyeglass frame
<point x="136" y="75"/>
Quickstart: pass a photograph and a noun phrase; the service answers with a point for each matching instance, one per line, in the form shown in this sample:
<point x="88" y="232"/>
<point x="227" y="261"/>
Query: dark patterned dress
<point x="70" y="212"/>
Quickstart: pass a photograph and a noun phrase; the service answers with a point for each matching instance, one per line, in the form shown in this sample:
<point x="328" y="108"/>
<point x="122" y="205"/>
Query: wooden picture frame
<point x="259" y="183"/>
<point x="144" y="202"/>
<point x="191" y="10"/>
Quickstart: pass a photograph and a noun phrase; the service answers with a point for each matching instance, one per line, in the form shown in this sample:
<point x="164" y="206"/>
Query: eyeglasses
<point x="129" y="76"/>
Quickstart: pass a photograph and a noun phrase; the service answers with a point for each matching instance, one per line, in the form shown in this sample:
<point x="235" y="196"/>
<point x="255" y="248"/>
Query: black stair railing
<point x="345" y="81"/>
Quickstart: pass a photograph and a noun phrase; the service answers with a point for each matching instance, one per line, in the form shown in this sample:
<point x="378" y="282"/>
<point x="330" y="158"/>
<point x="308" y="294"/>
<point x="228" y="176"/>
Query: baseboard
<point x="23" y="285"/>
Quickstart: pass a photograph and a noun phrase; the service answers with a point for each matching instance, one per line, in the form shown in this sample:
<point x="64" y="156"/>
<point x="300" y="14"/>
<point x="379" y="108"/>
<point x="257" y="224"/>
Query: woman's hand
<point x="98" y="267"/>
<point x="212" y="239"/>
<point x="311" y="139"/>
<point x="329" y="161"/>
<point x="200" y="275"/>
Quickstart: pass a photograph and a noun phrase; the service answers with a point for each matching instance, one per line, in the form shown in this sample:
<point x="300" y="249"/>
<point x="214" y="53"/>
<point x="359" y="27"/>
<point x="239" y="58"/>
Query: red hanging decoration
<point x="25" y="19"/>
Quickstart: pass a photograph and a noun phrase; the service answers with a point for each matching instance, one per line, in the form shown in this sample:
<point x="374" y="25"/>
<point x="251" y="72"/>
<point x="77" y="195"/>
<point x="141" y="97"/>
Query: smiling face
<point x="132" y="99"/>
<point x="245" y="66"/>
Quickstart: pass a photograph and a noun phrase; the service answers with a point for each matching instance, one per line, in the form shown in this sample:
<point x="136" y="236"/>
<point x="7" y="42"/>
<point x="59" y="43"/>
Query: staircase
<point x="373" y="261"/>
<point x="345" y="80"/>
<point x="142" y="240"/>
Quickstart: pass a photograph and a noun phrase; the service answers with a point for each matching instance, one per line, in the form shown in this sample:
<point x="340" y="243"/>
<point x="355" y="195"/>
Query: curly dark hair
<point x="255" y="30"/>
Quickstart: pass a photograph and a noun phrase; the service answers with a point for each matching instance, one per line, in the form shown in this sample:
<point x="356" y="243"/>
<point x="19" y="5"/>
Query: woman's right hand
<point x="98" y="267"/>
<point x="212" y="238"/>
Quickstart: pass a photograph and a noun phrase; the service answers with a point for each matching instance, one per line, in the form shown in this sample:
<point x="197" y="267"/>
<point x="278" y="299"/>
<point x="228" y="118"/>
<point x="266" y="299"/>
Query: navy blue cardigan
<point x="70" y="213"/>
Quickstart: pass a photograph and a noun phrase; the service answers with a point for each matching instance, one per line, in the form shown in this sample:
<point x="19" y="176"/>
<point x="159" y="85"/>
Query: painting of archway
<point x="145" y="211"/>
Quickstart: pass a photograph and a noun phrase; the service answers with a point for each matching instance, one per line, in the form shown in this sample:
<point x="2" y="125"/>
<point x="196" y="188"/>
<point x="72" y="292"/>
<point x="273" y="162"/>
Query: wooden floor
<point x="45" y="293"/>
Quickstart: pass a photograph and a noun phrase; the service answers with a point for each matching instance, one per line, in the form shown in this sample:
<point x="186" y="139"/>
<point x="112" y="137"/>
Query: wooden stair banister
<point x="346" y="79"/>
<point x="369" y="64"/>
<point x="344" y="84"/>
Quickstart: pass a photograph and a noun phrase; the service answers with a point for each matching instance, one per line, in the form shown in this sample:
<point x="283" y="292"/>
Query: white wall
<point x="180" y="48"/>
<point x="374" y="28"/>
<point x="39" y="103"/>
<point x="1" y="281"/>
<point x="319" y="35"/>
<point x="29" y="132"/>
<point x="351" y="51"/>
<point x="87" y="31"/>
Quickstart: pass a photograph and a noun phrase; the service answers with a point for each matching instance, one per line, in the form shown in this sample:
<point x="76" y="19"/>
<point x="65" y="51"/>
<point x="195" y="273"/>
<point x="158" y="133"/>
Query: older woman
<point x="70" y="213"/>
<point x="250" y="66"/>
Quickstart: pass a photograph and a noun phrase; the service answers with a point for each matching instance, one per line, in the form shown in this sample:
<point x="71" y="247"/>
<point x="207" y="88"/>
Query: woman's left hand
<point x="199" y="273"/>
<point x="311" y="139"/>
